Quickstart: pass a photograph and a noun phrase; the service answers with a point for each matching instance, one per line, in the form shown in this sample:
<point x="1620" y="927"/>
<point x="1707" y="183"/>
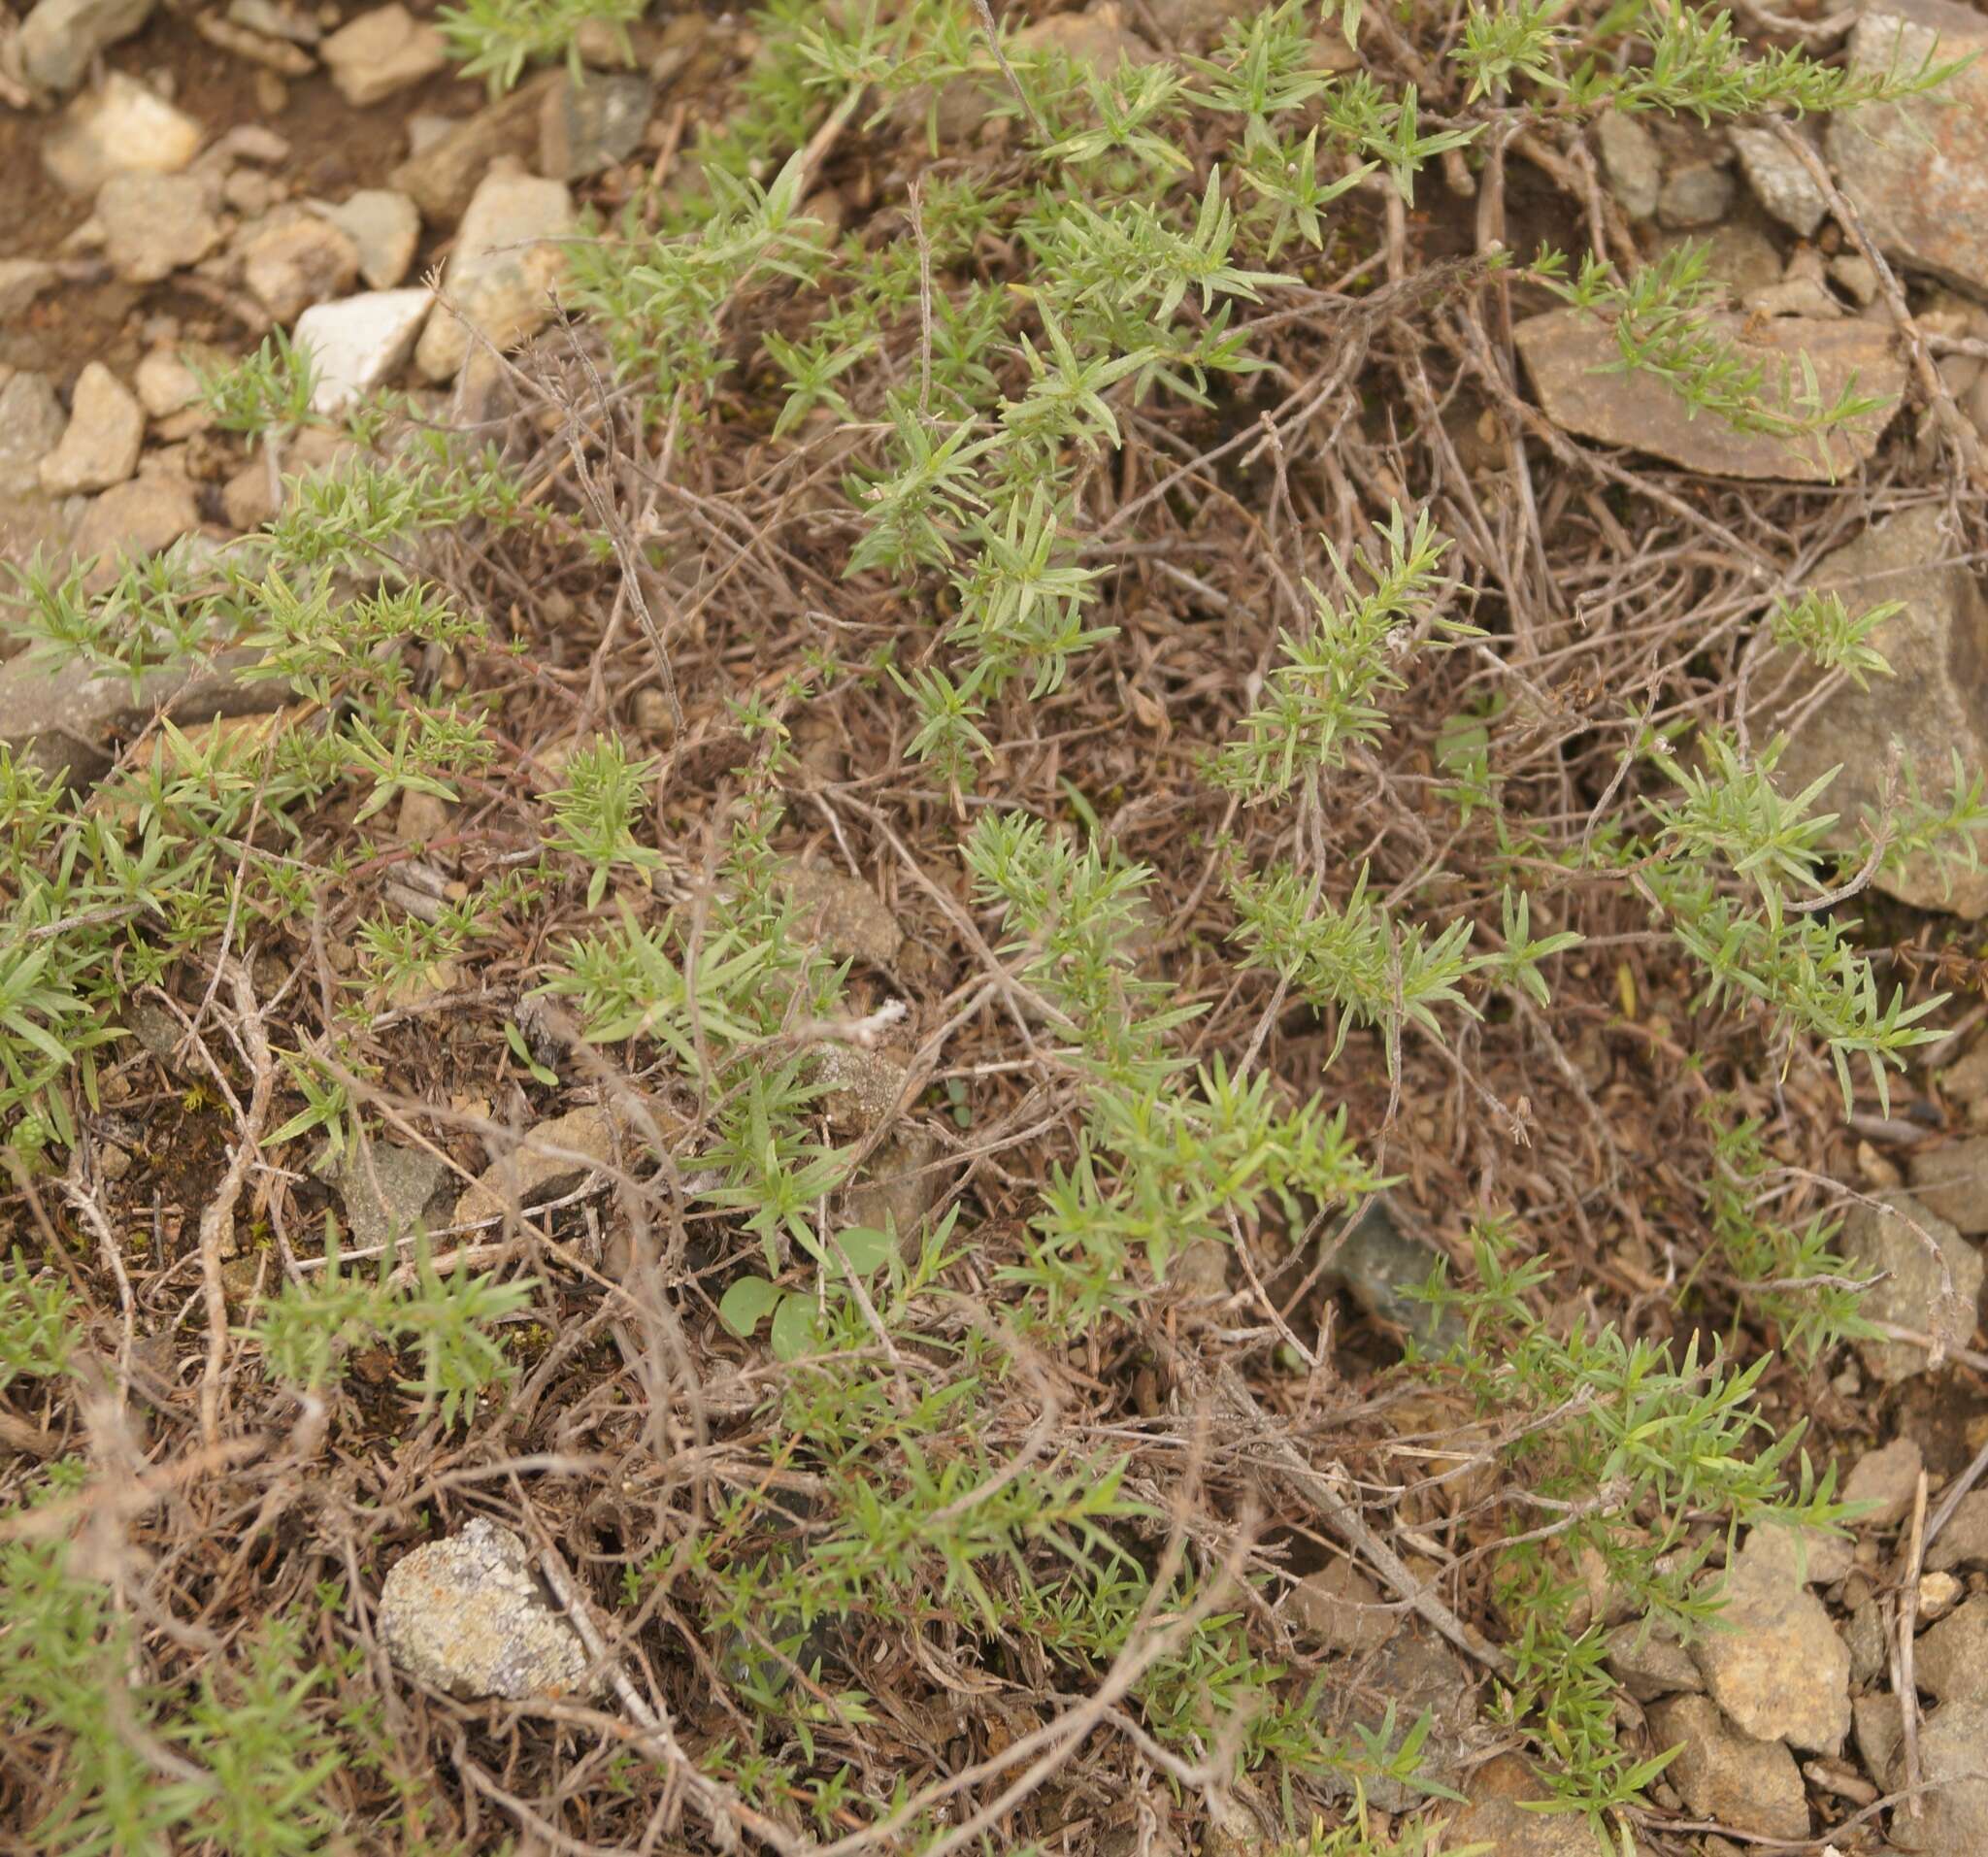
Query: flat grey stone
<point x="589" y="124"/>
<point x="1699" y="195"/>
<point x="1933" y="703"/>
<point x="1951" y="1182"/>
<point x="59" y="38"/>
<point x="385" y="1200"/>
<point x="31" y="425"/>
<point x="1780" y="179"/>
<point x="67" y="716"/>
<point x="1631" y="161"/>
<point x="1570" y="353"/>
<point x="450" y="159"/>
<point x="1918" y="170"/>
<point x="1649" y="1661"/>
<point x="1953" y="1758"/>
<point x="1950" y="1661"/>
<point x="1964" y="1540"/>
<point x="384" y="228"/>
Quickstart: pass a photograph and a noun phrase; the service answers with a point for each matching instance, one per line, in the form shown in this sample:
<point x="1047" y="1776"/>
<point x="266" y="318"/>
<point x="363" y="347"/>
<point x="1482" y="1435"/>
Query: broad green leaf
<point x="746" y="1304"/>
<point x="793" y="1327"/>
<point x="867" y="1249"/>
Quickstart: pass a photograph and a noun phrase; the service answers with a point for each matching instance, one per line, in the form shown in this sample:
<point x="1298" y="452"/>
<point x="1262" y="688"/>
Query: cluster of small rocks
<point x="1915" y="174"/>
<point x="1792" y="1693"/>
<point x="167" y="200"/>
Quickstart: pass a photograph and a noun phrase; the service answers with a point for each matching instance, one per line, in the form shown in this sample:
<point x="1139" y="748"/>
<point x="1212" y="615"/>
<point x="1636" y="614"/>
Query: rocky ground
<point x="179" y="183"/>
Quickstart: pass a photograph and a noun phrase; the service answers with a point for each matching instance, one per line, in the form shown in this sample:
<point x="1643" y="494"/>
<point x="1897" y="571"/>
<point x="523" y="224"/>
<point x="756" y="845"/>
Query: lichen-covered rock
<point x="469" y="1615"/>
<point x="386" y="1189"/>
<point x="1342" y="1610"/>
<point x="1934" y="704"/>
<point x="1932" y="1278"/>
<point x="860" y="1088"/>
<point x="560" y="1149"/>
<point x="842" y="915"/>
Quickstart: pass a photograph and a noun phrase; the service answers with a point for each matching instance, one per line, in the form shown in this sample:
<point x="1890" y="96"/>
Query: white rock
<point x="381" y="51"/>
<point x="119" y="128"/>
<point x="384" y="227"/>
<point x="100" y="446"/>
<point x="60" y="37"/>
<point x="504" y="267"/>
<point x="359" y="342"/>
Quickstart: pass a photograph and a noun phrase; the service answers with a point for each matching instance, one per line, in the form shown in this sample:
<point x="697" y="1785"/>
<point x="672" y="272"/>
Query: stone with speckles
<point x="468" y="1615"/>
